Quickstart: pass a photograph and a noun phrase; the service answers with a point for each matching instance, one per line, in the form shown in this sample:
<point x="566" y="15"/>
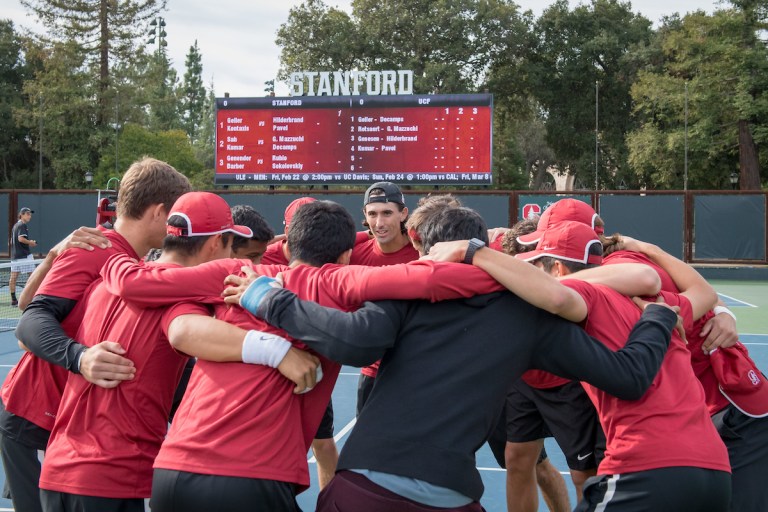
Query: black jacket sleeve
<point x="357" y="339"/>
<point x="627" y="373"/>
<point x="40" y="330"/>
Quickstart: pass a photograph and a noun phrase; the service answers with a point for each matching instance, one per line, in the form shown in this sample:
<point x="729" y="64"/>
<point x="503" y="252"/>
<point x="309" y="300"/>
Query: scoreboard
<point x="307" y="140"/>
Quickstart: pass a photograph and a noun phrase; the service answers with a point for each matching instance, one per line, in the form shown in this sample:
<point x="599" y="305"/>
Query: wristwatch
<point x="474" y="245"/>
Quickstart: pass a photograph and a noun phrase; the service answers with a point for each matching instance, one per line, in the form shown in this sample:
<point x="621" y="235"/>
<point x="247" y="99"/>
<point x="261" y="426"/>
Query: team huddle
<point x="465" y="335"/>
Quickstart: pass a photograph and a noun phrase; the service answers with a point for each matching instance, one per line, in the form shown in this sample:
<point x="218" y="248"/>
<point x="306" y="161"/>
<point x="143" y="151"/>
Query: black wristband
<point x="474" y="245"/>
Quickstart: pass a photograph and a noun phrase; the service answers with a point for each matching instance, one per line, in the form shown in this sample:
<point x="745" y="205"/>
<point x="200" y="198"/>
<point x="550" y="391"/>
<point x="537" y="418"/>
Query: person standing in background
<point x="20" y="247"/>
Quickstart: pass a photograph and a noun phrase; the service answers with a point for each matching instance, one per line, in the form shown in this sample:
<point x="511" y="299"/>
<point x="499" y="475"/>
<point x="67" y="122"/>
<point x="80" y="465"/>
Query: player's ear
<point x="344" y="258"/>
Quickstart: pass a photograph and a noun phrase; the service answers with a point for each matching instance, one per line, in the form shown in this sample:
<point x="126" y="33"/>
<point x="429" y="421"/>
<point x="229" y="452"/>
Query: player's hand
<point x="32" y="243"/>
<point x="277" y="238"/>
<point x="642" y="304"/>
<point x="236" y="285"/>
<point x="300" y="367"/>
<point x="448" y="251"/>
<point x="719" y="332"/>
<point x="82" y="238"/>
<point x="494" y="233"/>
<point x="104" y="365"/>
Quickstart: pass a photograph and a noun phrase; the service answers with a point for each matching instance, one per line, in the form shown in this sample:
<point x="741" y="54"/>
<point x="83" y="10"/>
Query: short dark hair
<point x="188" y="245"/>
<point x="453" y="224"/>
<point x="547" y="262"/>
<point x="245" y="215"/>
<point x="320" y="232"/>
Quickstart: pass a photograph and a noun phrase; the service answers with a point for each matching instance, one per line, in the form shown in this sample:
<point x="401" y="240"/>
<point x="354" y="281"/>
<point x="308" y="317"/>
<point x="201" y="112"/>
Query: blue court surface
<point x="755" y="336"/>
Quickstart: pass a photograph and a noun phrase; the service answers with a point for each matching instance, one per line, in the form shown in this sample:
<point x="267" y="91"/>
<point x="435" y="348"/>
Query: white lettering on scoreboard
<point x="351" y="83"/>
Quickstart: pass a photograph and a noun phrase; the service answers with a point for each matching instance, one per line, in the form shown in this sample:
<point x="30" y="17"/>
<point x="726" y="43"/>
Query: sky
<point x="237" y="37"/>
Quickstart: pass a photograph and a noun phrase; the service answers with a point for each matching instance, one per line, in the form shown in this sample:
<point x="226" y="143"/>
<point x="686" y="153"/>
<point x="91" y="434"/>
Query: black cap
<point x="25" y="210"/>
<point x="392" y="194"/>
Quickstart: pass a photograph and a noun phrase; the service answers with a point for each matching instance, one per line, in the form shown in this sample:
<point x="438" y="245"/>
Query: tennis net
<point x="9" y="315"/>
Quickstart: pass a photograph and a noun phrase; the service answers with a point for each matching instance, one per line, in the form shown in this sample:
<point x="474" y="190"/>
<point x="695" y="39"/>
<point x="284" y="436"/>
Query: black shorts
<point x="747" y="441"/>
<point x="325" y="430"/>
<point x="677" y="489"/>
<point x="563" y="412"/>
<point x="179" y="491"/>
<point x="54" y="501"/>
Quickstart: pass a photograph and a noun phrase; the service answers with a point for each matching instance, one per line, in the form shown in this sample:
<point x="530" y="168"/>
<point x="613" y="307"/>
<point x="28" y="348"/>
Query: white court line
<point x="349" y="374"/>
<point x="337" y="437"/>
<point x="501" y="469"/>
<point x="740" y="302"/>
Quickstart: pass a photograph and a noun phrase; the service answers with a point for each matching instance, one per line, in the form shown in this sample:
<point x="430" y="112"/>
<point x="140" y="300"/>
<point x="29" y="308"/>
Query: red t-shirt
<point x="274" y="254"/>
<point x="669" y="426"/>
<point x="699" y="360"/>
<point x="104" y="441"/>
<point x="33" y="387"/>
<point x="369" y="253"/>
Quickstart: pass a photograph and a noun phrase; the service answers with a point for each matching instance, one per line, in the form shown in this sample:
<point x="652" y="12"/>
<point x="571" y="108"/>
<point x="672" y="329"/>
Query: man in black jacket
<point x="445" y="370"/>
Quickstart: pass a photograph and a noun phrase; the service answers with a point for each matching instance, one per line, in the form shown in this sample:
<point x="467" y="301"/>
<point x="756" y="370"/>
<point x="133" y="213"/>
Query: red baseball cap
<point x="741" y="382"/>
<point x="290" y="210"/>
<point x="205" y="214"/>
<point x="563" y="210"/>
<point x="566" y="241"/>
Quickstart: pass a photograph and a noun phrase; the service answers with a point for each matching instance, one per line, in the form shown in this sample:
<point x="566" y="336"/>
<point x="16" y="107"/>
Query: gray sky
<point x="237" y="37"/>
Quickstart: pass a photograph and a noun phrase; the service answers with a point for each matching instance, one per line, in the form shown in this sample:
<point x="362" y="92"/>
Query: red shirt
<point x="243" y="420"/>
<point x="33" y="387"/>
<point x="369" y="253"/>
<point x="670" y="425"/>
<point x="104" y="441"/>
<point x="699" y="360"/>
<point x="274" y="254"/>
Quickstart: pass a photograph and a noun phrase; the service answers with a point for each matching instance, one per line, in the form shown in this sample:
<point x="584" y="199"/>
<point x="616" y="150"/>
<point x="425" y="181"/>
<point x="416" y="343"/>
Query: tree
<point x="106" y="31"/>
<point x="16" y="155"/>
<point x="576" y="53"/>
<point x="61" y="102"/>
<point x="317" y="37"/>
<point x="193" y="96"/>
<point x="727" y="80"/>
<point x="171" y="146"/>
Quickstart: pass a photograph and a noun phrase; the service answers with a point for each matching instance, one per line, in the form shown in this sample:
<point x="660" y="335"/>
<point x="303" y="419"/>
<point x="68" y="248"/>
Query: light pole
<point x="734" y="179"/>
<point x="596" y="132"/>
<point x="88" y="178"/>
<point x="158" y="32"/>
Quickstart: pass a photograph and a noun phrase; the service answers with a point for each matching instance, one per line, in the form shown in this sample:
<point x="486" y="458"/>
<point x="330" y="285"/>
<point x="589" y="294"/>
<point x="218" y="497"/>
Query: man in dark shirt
<point x="446" y="367"/>
<point x="20" y="248"/>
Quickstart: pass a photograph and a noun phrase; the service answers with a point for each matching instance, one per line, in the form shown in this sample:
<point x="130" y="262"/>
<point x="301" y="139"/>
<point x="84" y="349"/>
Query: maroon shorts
<point x="352" y="492"/>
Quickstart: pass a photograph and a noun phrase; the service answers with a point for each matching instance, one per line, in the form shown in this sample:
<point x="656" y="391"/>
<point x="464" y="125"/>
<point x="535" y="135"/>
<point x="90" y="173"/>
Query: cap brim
<point x="530" y="238"/>
<point x="740" y="381"/>
<point x="243" y="231"/>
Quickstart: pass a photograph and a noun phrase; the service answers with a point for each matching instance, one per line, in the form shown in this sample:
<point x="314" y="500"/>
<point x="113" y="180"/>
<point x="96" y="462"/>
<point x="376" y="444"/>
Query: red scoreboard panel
<point x="438" y="139"/>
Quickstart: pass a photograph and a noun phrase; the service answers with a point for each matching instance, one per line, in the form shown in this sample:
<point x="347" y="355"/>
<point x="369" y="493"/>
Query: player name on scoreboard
<point x="439" y="139"/>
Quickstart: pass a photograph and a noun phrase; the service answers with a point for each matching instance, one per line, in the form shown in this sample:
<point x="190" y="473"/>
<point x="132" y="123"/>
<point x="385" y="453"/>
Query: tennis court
<point x="748" y="300"/>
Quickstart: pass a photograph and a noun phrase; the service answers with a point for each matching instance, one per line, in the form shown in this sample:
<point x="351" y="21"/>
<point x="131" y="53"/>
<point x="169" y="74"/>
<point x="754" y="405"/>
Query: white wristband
<point x="722" y="309"/>
<point x="264" y="348"/>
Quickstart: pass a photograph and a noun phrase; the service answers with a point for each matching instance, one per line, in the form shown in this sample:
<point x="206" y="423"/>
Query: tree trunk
<point x="103" y="61"/>
<point x="749" y="159"/>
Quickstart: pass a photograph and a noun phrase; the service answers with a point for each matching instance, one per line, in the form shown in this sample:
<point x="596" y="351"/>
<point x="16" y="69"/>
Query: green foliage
<point x="725" y="68"/>
<point x="171" y="146"/>
<point x="193" y="97"/>
<point x="578" y="52"/>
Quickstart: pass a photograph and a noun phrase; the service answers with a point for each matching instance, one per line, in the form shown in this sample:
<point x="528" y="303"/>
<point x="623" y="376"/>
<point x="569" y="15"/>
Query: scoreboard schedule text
<point x="308" y="140"/>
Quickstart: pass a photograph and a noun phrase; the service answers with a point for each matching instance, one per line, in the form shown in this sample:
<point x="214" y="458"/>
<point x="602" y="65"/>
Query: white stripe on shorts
<point x="609" y="492"/>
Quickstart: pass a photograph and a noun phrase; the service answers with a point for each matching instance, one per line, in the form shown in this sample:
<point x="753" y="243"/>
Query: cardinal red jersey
<point x="669" y="426"/>
<point x="274" y="254"/>
<point x="104" y="441"/>
<point x="369" y="253"/>
<point x="699" y="360"/>
<point x="33" y="387"/>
